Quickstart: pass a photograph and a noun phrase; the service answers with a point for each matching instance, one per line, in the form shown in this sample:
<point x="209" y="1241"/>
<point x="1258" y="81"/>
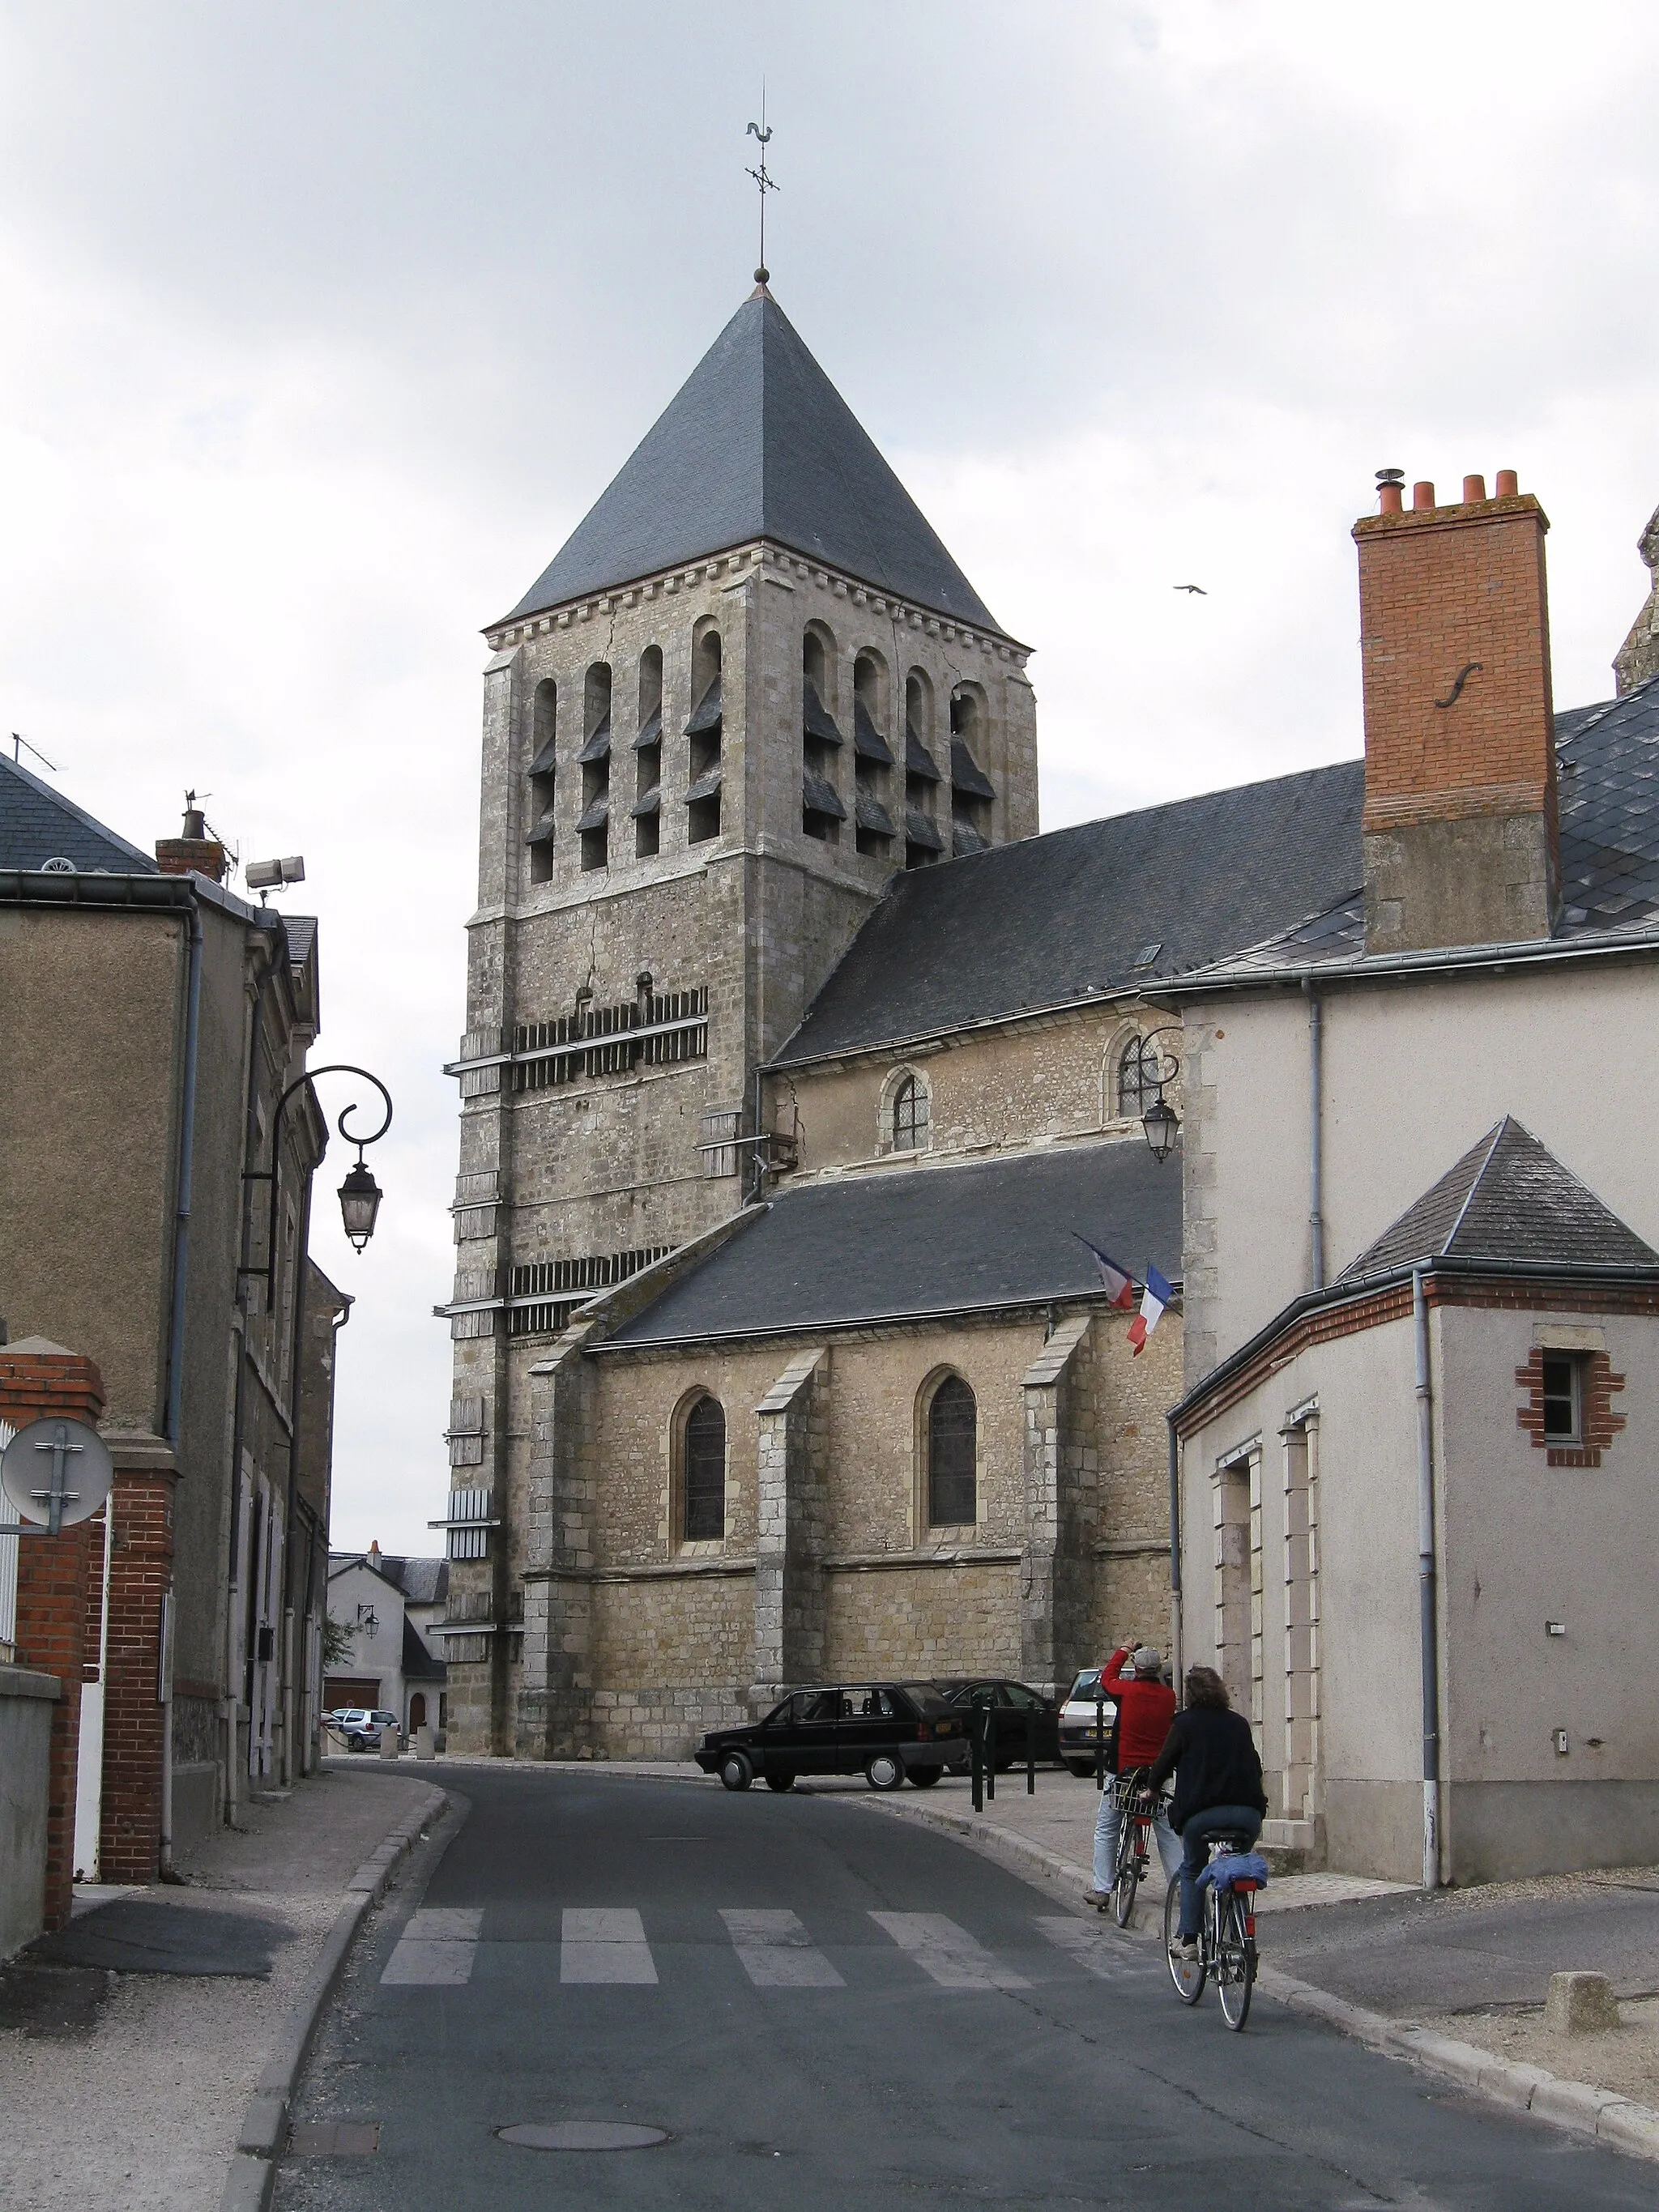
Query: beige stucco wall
<point x="1415" y="1073"/>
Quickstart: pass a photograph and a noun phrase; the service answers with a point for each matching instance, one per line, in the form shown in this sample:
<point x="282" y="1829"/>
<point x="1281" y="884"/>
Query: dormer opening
<point x="647" y="758"/>
<point x="702" y="732"/>
<point x="822" y="810"/>
<point x="594" y="760"/>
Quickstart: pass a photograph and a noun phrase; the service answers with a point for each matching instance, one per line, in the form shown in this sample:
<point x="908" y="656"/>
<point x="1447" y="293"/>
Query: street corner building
<point x="151" y="1021"/>
<point x="803" y="1190"/>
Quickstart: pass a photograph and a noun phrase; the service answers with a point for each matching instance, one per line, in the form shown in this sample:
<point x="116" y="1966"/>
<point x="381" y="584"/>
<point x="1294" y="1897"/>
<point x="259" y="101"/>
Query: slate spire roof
<point x="1508" y="1198"/>
<point x="39" y="825"/>
<point x="758" y="443"/>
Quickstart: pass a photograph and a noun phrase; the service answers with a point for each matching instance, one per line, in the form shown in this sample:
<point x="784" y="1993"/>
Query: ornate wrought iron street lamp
<point x="360" y="1194"/>
<point x="1160" y="1123"/>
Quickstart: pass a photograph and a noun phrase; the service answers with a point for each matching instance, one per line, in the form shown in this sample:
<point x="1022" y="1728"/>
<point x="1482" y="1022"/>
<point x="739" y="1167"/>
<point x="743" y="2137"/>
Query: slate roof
<point x="418" y="1664"/>
<point x="422" y="1581"/>
<point x="904" y="1244"/>
<point x="38" y="823"/>
<point x="758" y="443"/>
<point x="1607" y="765"/>
<point x="1509" y="1199"/>
<point x="1047" y="920"/>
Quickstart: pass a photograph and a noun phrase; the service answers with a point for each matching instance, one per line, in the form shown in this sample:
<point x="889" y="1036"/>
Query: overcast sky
<point x="322" y="325"/>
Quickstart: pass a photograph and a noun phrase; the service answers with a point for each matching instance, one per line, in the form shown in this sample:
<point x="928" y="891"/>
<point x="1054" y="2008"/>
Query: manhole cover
<point x="584" y="2135"/>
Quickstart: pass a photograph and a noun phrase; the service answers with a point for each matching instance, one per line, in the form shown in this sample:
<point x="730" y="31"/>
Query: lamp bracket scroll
<point x="1160" y="1123"/>
<point x="360" y="1194"/>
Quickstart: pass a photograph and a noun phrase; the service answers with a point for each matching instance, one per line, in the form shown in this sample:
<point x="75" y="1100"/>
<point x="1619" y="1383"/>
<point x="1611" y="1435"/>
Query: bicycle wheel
<point x="1235" y="1963"/>
<point x="1187" y="1974"/>
<point x="1126" y="1876"/>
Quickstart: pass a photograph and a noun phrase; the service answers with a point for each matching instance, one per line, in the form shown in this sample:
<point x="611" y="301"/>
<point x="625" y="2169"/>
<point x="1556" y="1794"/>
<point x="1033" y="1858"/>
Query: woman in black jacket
<point x="1212" y="1756"/>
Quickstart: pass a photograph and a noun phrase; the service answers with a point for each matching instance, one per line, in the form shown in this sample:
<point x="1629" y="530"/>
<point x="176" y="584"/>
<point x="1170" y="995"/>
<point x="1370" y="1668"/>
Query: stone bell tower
<point x="752" y="685"/>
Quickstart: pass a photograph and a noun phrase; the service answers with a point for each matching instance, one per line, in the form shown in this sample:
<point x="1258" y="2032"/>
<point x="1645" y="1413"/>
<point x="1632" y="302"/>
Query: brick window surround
<point x="1598" y="1423"/>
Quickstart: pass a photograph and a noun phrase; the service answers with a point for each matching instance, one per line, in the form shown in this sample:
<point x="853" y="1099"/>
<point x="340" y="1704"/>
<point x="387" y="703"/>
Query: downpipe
<point x="1426" y="1589"/>
<point x="1176" y="1654"/>
<point x="176" y="1344"/>
<point x="1316" y="1135"/>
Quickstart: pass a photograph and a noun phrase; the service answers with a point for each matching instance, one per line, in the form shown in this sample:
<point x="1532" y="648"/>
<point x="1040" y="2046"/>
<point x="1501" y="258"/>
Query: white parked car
<point x="1081" y="1719"/>
<point x="362" y="1727"/>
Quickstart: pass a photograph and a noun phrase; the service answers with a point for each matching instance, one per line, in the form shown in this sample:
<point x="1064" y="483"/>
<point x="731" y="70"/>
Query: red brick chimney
<point x="1460" y="826"/>
<point x="194" y="853"/>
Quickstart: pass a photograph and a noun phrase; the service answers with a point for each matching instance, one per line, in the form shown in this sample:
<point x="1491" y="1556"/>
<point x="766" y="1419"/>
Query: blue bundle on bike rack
<point x="1235" y="1866"/>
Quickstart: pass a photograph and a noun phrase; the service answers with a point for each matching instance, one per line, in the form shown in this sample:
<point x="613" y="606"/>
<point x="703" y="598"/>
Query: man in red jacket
<point x="1145" y="1707"/>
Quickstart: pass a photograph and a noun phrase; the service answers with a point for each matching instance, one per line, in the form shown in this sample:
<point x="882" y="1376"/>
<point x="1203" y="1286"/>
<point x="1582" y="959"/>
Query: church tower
<point x="751" y="686"/>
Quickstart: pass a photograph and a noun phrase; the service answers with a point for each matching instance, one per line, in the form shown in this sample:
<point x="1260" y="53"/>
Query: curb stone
<point x="252" y="2173"/>
<point x="1575" y="2107"/>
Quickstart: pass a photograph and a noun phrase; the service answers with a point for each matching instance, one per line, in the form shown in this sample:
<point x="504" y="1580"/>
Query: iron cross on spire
<point x="763" y="183"/>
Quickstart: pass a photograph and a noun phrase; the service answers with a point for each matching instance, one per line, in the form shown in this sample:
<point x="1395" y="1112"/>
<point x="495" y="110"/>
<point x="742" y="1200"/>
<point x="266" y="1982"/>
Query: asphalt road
<point x="823" y="2007"/>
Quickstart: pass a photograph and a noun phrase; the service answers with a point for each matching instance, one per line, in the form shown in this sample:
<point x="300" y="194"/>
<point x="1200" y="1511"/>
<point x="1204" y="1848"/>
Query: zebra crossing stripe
<point x="954" y="1958"/>
<point x="777" y="1953"/>
<point x="605" y="1944"/>
<point x="436" y="1948"/>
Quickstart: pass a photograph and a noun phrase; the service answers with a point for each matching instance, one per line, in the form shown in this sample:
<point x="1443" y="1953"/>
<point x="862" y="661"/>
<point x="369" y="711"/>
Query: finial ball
<point x="762" y="275"/>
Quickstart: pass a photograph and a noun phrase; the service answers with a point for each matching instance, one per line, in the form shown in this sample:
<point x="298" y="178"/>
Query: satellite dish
<point x="55" y="1472"/>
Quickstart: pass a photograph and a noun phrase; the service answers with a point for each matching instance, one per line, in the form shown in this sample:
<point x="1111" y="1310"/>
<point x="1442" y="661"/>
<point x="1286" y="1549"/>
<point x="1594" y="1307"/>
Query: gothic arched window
<point x="953" y="1442"/>
<point x="1140" y="1079"/>
<point x="703" y="1481"/>
<point x="912" y="1116"/>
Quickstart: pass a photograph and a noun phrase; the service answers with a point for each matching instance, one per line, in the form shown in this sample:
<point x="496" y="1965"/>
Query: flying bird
<point x="1199" y="588"/>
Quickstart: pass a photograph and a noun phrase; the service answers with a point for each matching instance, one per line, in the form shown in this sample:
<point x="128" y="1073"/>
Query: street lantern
<point x="1161" y="1124"/>
<point x="360" y="1201"/>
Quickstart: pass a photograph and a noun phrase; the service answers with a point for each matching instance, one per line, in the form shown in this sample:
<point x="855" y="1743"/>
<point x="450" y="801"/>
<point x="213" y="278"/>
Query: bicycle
<point x="1134" y="1844"/>
<point x="1226" y="1943"/>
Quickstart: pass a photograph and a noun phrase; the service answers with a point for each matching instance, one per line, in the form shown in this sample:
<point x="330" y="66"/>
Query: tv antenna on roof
<point x="20" y="744"/>
<point x="764" y="182"/>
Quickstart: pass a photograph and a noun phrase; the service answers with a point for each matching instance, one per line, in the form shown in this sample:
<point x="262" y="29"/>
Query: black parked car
<point x="883" y="1731"/>
<point x="1011" y="1702"/>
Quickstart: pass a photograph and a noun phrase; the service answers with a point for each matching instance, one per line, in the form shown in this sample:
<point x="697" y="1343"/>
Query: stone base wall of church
<point x="694" y="1629"/>
<point x="924" y="1621"/>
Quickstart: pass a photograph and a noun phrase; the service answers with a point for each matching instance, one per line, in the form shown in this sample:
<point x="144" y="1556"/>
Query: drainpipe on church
<point x="1175" y="1653"/>
<point x="1426" y="1593"/>
<point x="1316" y="1135"/>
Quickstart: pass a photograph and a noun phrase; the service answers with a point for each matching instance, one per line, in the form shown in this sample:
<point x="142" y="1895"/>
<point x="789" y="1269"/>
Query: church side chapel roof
<point x="1107" y="906"/>
<point x="758" y="443"/>
<point x="928" y="1241"/>
<point x="38" y="824"/>
<point x="1607" y="767"/>
<point x="1509" y="1199"/>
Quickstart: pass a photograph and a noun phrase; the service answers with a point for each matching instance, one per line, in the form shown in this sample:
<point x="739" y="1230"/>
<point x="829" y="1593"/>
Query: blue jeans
<point x="1106" y="1827"/>
<point x="1240" y="1821"/>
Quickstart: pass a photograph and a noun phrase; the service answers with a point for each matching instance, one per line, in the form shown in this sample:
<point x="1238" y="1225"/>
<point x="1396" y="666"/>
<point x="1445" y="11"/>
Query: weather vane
<point x="764" y="182"/>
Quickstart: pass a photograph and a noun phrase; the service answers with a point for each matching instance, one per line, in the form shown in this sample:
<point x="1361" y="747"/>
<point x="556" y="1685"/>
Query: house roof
<point x="418" y="1664"/>
<point x="420" y="1582"/>
<point x="1508" y="1200"/>
<point x="757" y="443"/>
<point x="40" y="825"/>
<point x="1607" y="767"/>
<point x="1107" y="906"/>
<point x="902" y="1244"/>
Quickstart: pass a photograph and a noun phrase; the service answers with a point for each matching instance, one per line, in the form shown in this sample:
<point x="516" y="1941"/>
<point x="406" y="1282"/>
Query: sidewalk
<point x="130" y="2041"/>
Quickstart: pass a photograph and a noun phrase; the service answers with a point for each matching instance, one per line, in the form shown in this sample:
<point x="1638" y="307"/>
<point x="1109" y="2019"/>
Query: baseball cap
<point x="1146" y="1660"/>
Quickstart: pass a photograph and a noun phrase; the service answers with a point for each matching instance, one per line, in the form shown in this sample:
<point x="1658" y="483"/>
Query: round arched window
<point x="911" y="1115"/>
<point x="1139" y="1079"/>
<point x="952" y="1442"/>
<point x="704" y="1472"/>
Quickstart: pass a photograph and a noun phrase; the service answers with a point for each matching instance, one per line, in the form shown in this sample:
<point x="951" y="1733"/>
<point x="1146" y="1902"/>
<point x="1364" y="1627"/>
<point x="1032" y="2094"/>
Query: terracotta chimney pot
<point x="1475" y="490"/>
<point x="1422" y="495"/>
<point x="1508" y="485"/>
<point x="1391" y="498"/>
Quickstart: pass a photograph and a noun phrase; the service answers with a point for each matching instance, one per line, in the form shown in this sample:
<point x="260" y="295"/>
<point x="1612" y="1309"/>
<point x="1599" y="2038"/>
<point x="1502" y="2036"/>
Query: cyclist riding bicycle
<point x="1145" y="1707"/>
<point x="1217" y="1791"/>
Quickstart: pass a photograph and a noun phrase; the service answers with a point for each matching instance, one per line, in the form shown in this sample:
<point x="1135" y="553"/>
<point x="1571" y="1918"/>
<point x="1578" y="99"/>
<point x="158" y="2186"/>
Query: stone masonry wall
<point x="962" y="1619"/>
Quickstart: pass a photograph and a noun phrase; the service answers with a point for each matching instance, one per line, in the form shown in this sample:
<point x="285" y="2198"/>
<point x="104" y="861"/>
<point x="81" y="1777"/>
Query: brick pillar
<point x="38" y="1379"/>
<point x="140" y="1579"/>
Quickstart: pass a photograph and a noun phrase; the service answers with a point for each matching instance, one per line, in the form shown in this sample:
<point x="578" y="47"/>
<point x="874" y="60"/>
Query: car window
<point x="1025" y="1701"/>
<point x="926" y="1697"/>
<point x="818" y="1705"/>
<point x="1087" y="1683"/>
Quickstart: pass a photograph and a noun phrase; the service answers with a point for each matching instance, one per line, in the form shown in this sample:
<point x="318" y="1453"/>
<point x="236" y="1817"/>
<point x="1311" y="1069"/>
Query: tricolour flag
<point x="1153" y="1299"/>
<point x="1120" y="1284"/>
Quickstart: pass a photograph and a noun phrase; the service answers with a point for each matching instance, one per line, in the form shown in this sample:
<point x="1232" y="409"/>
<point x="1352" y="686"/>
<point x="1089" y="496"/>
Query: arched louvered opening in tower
<point x="594" y="760"/>
<point x="647" y="758"/>
<point x="822" y="811"/>
<point x="703" y="733"/>
<point x="544" y="761"/>
<point x="923" y="842"/>
<point x="971" y="789"/>
<point x="872" y="759"/>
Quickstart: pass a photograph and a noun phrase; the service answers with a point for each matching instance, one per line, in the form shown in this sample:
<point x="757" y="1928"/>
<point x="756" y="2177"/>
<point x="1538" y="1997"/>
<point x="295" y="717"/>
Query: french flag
<point x="1153" y="1299"/>
<point x="1118" y="1281"/>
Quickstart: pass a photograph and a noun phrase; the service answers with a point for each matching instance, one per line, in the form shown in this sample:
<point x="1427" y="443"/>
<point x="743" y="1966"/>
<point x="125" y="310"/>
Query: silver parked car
<point x="362" y="1727"/>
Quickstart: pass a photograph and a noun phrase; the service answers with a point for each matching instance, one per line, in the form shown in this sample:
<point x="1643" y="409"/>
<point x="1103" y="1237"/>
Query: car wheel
<point x="884" y="1771"/>
<point x="1083" y="1768"/>
<point x="736" y="1772"/>
<point x="354" y="1742"/>
<point x="924" y="1778"/>
<point x="780" y="1782"/>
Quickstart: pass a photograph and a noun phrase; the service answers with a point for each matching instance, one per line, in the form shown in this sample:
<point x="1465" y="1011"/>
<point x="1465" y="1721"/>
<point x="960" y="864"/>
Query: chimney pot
<point x="1422" y="495"/>
<point x="1475" y="490"/>
<point x="1507" y="486"/>
<point x="1389" y="489"/>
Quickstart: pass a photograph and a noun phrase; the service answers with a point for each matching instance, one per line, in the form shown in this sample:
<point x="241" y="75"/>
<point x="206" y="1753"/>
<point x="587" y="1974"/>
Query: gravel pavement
<point x="136" y="2102"/>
